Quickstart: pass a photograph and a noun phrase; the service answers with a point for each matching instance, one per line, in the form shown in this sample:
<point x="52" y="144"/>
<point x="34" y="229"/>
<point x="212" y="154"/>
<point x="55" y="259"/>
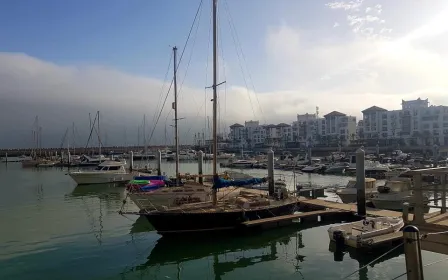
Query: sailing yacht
<point x="224" y="214"/>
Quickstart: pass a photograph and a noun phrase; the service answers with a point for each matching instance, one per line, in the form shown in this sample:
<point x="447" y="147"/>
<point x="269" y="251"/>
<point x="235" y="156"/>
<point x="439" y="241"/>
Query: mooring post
<point x="159" y="163"/>
<point x="131" y="161"/>
<point x="412" y="252"/>
<point x="200" y="163"/>
<point x="360" y="182"/>
<point x="405" y="215"/>
<point x="68" y="158"/>
<point x="417" y="199"/>
<point x="443" y="183"/>
<point x="271" y="172"/>
<point x="6" y="158"/>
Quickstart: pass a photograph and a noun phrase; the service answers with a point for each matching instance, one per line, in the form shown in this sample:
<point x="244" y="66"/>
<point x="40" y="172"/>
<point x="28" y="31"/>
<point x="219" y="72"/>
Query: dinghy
<point x="361" y="233"/>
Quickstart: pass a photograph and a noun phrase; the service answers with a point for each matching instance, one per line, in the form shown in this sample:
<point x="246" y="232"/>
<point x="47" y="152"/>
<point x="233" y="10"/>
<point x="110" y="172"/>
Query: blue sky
<point x="68" y="58"/>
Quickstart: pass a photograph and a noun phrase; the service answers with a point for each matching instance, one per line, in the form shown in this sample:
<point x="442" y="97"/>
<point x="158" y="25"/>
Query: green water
<point x="51" y="229"/>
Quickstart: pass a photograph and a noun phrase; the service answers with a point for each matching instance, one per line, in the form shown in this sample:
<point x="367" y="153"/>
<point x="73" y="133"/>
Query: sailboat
<point x="224" y="214"/>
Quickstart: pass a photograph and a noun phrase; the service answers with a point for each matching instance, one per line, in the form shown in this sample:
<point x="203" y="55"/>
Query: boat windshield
<point x="101" y="168"/>
<point x="397" y="186"/>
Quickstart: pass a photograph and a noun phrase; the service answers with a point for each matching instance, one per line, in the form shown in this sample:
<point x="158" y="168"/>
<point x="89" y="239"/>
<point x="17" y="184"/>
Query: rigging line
<point x="225" y="79"/>
<point x="172" y="80"/>
<point x="239" y="62"/>
<point x="191" y="55"/>
<point x="388" y="252"/>
<point x="206" y="71"/>
<point x="428" y="264"/>
<point x="244" y="57"/>
<point x="162" y="90"/>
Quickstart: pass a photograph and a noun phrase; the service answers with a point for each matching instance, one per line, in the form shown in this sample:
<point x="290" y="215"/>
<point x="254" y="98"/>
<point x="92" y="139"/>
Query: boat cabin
<point x="370" y="183"/>
<point x="110" y="166"/>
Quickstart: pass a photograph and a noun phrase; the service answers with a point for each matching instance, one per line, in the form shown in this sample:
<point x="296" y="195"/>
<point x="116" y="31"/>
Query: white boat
<point x="225" y="156"/>
<point x="394" y="193"/>
<point x="106" y="172"/>
<point x="242" y="163"/>
<point x="187" y="155"/>
<point x="312" y="168"/>
<point x="396" y="172"/>
<point x="348" y="194"/>
<point x="359" y="234"/>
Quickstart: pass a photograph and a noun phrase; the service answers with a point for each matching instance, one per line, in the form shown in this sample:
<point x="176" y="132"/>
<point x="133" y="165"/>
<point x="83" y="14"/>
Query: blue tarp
<point x="222" y="183"/>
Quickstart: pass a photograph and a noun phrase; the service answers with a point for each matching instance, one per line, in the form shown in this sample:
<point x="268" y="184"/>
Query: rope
<point x="180" y="60"/>
<point x="383" y="255"/>
<point x="428" y="264"/>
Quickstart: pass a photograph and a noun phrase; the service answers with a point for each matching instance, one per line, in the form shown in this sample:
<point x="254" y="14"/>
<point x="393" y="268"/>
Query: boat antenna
<point x="176" y="130"/>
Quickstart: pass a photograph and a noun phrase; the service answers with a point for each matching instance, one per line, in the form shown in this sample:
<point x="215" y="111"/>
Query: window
<point x="114" y="168"/>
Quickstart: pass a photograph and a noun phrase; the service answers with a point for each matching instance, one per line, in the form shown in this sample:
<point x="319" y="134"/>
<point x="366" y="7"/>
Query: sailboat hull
<point x="169" y="223"/>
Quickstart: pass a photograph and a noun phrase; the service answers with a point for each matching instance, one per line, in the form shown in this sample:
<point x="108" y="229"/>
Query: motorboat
<point x="337" y="168"/>
<point x="106" y="172"/>
<point x="187" y="155"/>
<point x="361" y="233"/>
<point x="349" y="193"/>
<point x="242" y="163"/>
<point x="394" y="193"/>
<point x="92" y="161"/>
<point x="314" y="168"/>
<point x="396" y="172"/>
<point x="225" y="156"/>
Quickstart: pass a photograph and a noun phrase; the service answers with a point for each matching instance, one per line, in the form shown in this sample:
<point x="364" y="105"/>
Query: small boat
<point x="337" y="168"/>
<point x="349" y="193"/>
<point x="243" y="163"/>
<point x="187" y="155"/>
<point x="314" y="168"/>
<point x="394" y="193"/>
<point x="361" y="233"/>
<point x="106" y="172"/>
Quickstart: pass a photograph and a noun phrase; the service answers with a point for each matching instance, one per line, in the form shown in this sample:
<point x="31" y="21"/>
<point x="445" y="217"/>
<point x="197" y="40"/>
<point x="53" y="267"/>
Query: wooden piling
<point x="200" y="163"/>
<point x="413" y="254"/>
<point x="360" y="182"/>
<point x="271" y="172"/>
<point x="159" y="163"/>
<point x="131" y="161"/>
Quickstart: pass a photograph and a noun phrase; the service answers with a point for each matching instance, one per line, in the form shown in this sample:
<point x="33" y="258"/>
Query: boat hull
<point x="82" y="178"/>
<point x="351" y="196"/>
<point x="170" y="223"/>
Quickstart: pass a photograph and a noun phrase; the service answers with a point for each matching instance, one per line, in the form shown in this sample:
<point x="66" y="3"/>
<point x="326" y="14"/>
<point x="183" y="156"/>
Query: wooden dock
<point x="286" y="220"/>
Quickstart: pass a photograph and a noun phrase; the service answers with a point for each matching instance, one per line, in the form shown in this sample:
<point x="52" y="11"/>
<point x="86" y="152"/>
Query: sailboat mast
<point x="99" y="137"/>
<point x="144" y="135"/>
<point x="176" y="130"/>
<point x="215" y="95"/>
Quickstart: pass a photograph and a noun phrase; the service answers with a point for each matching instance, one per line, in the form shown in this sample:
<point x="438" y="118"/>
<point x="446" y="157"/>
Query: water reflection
<point x="141" y="225"/>
<point x="364" y="258"/>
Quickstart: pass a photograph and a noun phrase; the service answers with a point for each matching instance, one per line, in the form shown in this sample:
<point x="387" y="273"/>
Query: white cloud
<point x="361" y="23"/>
<point x="352" y="75"/>
<point x="336" y="24"/>
<point x="346" y="5"/>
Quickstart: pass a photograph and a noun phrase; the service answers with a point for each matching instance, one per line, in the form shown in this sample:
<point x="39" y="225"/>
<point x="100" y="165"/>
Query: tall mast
<point x="144" y="135"/>
<point x="73" y="138"/>
<point x="99" y="137"/>
<point x="215" y="95"/>
<point x="176" y="130"/>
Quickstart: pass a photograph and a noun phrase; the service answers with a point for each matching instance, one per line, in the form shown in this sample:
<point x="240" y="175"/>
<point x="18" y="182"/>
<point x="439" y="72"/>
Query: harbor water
<point x="53" y="229"/>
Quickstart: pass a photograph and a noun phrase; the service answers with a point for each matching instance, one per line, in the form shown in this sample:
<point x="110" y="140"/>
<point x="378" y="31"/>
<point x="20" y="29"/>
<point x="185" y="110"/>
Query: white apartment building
<point x="237" y="135"/>
<point x="307" y="128"/>
<point x="340" y="127"/>
<point x="417" y="122"/>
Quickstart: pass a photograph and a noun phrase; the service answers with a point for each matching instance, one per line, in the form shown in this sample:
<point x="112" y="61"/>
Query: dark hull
<point x="177" y="222"/>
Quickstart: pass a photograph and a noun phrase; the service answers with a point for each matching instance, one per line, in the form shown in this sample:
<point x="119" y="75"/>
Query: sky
<point x="61" y="60"/>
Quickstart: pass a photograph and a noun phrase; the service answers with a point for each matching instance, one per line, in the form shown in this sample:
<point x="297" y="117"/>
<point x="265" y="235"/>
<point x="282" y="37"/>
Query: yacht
<point x="349" y="193"/>
<point x="106" y="172"/>
<point x="92" y="161"/>
<point x="394" y="193"/>
<point x="396" y="172"/>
